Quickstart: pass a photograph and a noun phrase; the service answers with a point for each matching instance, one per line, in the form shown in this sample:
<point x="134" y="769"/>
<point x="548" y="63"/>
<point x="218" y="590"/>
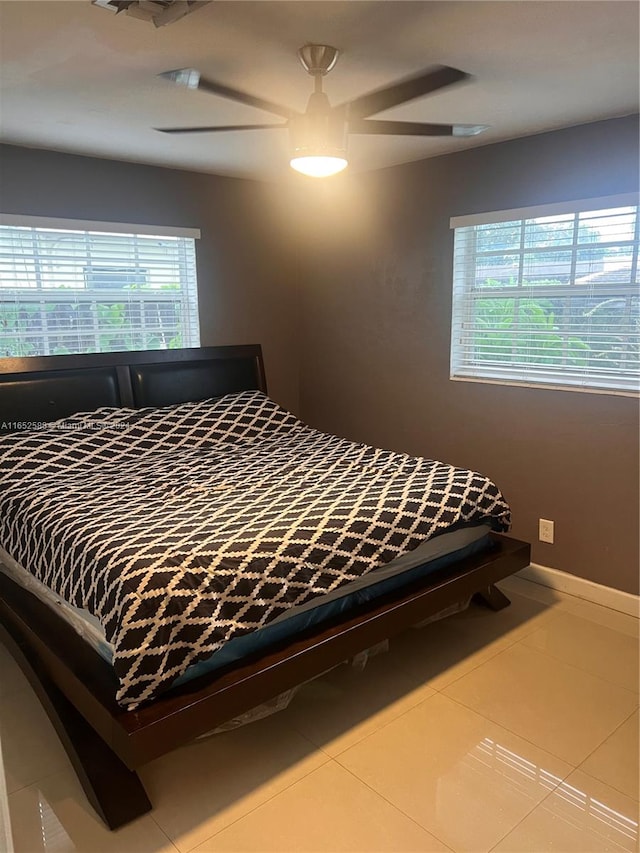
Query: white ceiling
<point x="74" y="77"/>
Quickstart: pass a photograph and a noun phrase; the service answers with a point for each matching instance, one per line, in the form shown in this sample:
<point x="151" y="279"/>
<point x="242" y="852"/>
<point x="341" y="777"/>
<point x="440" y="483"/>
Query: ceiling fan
<point x="318" y="136"/>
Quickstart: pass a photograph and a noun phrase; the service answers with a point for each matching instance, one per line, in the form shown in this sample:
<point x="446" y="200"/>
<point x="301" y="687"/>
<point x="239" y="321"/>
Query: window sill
<point x="583" y="389"/>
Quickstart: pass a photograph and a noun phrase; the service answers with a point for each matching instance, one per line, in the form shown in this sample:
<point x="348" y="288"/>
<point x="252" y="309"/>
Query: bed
<point x="110" y="721"/>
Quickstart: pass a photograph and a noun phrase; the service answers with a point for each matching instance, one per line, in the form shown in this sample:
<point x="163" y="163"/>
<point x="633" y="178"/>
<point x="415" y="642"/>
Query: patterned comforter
<point x="182" y="527"/>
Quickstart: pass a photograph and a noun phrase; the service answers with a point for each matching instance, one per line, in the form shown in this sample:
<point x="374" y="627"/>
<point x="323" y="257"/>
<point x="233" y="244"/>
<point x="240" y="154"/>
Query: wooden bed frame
<point x="77" y="687"/>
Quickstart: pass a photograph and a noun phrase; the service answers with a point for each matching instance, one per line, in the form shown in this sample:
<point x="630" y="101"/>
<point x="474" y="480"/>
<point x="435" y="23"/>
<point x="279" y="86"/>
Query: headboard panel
<point x="42" y="389"/>
<point x="48" y="395"/>
<point x="166" y="384"/>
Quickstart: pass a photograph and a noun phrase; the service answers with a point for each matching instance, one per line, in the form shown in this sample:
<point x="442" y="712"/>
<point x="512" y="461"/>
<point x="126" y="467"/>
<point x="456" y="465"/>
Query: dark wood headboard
<point x="36" y="390"/>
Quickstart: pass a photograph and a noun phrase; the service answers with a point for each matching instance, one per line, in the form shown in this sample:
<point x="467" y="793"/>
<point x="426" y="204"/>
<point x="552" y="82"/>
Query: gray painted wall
<point x="245" y="274"/>
<point x="376" y="308"/>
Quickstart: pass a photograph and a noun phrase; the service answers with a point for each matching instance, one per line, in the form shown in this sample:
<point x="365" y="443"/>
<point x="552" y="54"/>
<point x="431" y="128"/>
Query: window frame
<point x="463" y="368"/>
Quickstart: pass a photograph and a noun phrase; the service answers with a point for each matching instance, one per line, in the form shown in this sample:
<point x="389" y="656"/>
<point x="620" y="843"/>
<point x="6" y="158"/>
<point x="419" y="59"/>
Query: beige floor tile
<point x="582" y="815"/>
<point x="529" y="589"/>
<point x="443" y="651"/>
<point x="201" y="788"/>
<point x="440" y="653"/>
<point x="603" y="616"/>
<point x="326" y="811"/>
<point x="346" y="704"/>
<point x="53" y="816"/>
<point x="615" y="619"/>
<point x="464" y="779"/>
<point x="617" y="760"/>
<point x="595" y="648"/>
<point x="563" y="709"/>
<point x="6" y="842"/>
<point x="11" y="677"/>
<point x="30" y="746"/>
<point x="523" y="616"/>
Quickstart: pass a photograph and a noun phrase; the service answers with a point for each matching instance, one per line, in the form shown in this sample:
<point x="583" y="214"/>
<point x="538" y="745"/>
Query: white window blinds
<point x="76" y="287"/>
<point x="549" y="296"/>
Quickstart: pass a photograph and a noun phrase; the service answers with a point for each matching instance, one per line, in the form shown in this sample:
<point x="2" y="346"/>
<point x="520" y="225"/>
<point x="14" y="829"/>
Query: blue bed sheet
<point x="257" y="641"/>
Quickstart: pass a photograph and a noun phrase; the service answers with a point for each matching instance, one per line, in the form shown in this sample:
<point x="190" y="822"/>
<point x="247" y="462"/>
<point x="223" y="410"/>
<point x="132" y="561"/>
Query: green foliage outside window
<point x="524" y="331"/>
<point x="83" y="327"/>
<point x="549" y="332"/>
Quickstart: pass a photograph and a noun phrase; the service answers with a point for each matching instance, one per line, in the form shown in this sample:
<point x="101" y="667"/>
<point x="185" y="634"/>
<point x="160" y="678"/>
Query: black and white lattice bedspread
<point x="182" y="527"/>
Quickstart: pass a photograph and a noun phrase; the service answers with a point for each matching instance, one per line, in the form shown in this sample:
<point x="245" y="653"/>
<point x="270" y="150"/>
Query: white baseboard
<point x="607" y="596"/>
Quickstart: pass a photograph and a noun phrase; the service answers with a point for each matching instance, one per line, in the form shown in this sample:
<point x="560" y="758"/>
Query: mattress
<point x="186" y="527"/>
<point x="430" y="556"/>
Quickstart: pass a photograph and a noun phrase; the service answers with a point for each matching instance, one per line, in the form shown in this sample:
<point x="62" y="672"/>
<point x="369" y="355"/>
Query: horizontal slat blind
<point x="84" y="290"/>
<point x="549" y="299"/>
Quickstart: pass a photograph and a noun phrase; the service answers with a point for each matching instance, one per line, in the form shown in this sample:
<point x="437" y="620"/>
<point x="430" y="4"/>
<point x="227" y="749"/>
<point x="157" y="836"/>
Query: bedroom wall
<point x="245" y="273"/>
<point x="376" y="307"/>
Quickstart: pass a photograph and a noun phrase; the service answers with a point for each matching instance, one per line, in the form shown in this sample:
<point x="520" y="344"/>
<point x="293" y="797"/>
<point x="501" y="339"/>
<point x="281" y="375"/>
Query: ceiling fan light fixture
<point x="318" y="139"/>
<point x="318" y="165"/>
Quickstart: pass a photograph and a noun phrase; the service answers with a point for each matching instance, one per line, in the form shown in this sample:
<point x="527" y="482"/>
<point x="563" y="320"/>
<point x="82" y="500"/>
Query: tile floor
<point x="510" y="731"/>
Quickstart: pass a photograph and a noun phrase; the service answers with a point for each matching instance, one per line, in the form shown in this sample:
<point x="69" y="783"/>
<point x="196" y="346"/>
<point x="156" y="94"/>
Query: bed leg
<point x="492" y="597"/>
<point x="114" y="791"/>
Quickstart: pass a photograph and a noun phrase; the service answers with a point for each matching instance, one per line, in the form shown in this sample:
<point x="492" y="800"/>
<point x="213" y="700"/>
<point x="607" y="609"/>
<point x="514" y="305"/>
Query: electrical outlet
<point x="545" y="530"/>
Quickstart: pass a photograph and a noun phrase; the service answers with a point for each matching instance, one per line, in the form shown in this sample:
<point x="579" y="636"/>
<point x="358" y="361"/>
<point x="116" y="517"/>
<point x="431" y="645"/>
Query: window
<point x="77" y="287"/>
<point x="549" y="296"/>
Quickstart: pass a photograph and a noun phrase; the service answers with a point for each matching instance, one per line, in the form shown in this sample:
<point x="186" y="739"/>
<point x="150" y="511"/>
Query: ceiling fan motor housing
<point x="321" y="131"/>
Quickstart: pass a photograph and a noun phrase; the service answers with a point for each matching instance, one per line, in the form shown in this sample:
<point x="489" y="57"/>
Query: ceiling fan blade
<point x="218" y="128"/>
<point x="405" y="90"/>
<point x="413" y="128"/>
<point x="192" y="79"/>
